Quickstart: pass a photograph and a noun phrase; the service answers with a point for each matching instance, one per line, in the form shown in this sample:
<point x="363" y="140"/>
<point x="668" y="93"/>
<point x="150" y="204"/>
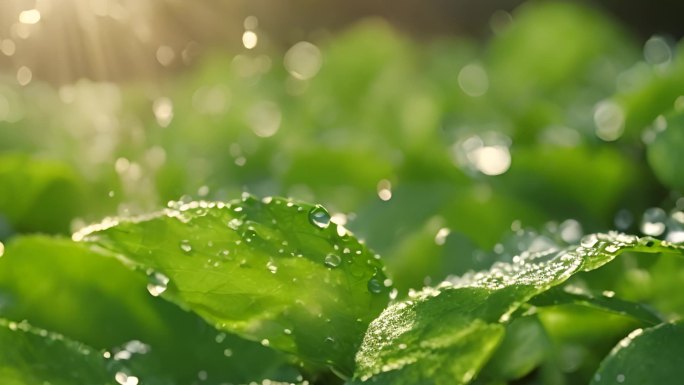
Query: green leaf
<point x="665" y="153"/>
<point x="38" y="195"/>
<point x="30" y="356"/>
<point x="602" y="301"/>
<point x="63" y="286"/>
<point x="652" y="356"/>
<point x="523" y="348"/>
<point x="429" y="338"/>
<point x="274" y="271"/>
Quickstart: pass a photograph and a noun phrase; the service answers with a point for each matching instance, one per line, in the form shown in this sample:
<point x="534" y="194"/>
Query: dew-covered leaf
<point x="653" y="356"/>
<point x="273" y="271"/>
<point x="602" y="301"/>
<point x="427" y="338"/>
<point x="63" y="286"/>
<point x="30" y="356"/>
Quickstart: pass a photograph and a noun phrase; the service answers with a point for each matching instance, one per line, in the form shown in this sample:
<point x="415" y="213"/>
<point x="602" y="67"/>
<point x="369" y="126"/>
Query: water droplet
<point x="124" y="379"/>
<point x="265" y="342"/>
<point x="265" y="119"/>
<point x="272" y="267"/>
<point x="332" y="260"/>
<point x="623" y="219"/>
<point x="385" y="190"/>
<point x="30" y="16"/>
<point x="24" y="75"/>
<point x="653" y="222"/>
<point x="163" y="111"/>
<point x="158" y="283"/>
<point x="2" y="249"/>
<point x="303" y="60"/>
<point x="319" y="217"/>
<point x="473" y="80"/>
<point x="675" y="228"/>
<point x="202" y="375"/>
<point x="589" y="241"/>
<point x="234" y="223"/>
<point x="374" y="286"/>
<point x="620" y="378"/>
<point x="570" y="231"/>
<point x="441" y="236"/>
<point x="249" y="235"/>
<point x="185" y="246"/>
<point x="657" y="51"/>
<point x="610" y="120"/>
<point x="227" y="352"/>
<point x="287" y="331"/>
<point x="249" y="39"/>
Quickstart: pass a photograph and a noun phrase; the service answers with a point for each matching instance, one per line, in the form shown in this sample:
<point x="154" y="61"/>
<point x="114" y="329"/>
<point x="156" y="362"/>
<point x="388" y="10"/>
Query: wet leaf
<point x="260" y="269"/>
<point x="417" y="340"/>
<point x="652" y="356"/>
<point x="601" y="301"/>
<point x="31" y="356"/>
<point x="63" y="286"/>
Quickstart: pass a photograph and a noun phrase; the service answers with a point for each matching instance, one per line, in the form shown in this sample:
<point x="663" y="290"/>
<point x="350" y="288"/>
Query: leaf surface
<point x="31" y="356"/>
<point x="602" y="301"/>
<point x="273" y="271"/>
<point x="54" y="282"/>
<point x="416" y="341"/>
<point x="652" y="356"/>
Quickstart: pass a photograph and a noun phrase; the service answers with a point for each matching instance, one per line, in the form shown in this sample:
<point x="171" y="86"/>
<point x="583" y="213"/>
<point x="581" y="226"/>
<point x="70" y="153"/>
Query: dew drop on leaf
<point x="589" y="240"/>
<point x="185" y="246"/>
<point x="374" y="286"/>
<point x="319" y="217"/>
<point x="158" y="283"/>
<point x="332" y="260"/>
<point x="234" y="223"/>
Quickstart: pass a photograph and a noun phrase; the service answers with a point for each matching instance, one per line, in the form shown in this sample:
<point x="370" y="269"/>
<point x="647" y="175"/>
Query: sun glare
<point x="111" y="40"/>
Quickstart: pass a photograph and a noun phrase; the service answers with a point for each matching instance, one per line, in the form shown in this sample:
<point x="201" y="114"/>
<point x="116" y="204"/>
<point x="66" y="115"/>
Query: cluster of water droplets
<point x="656" y="222"/>
<point x="548" y="266"/>
<point x="345" y="249"/>
<point x="124" y="353"/>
